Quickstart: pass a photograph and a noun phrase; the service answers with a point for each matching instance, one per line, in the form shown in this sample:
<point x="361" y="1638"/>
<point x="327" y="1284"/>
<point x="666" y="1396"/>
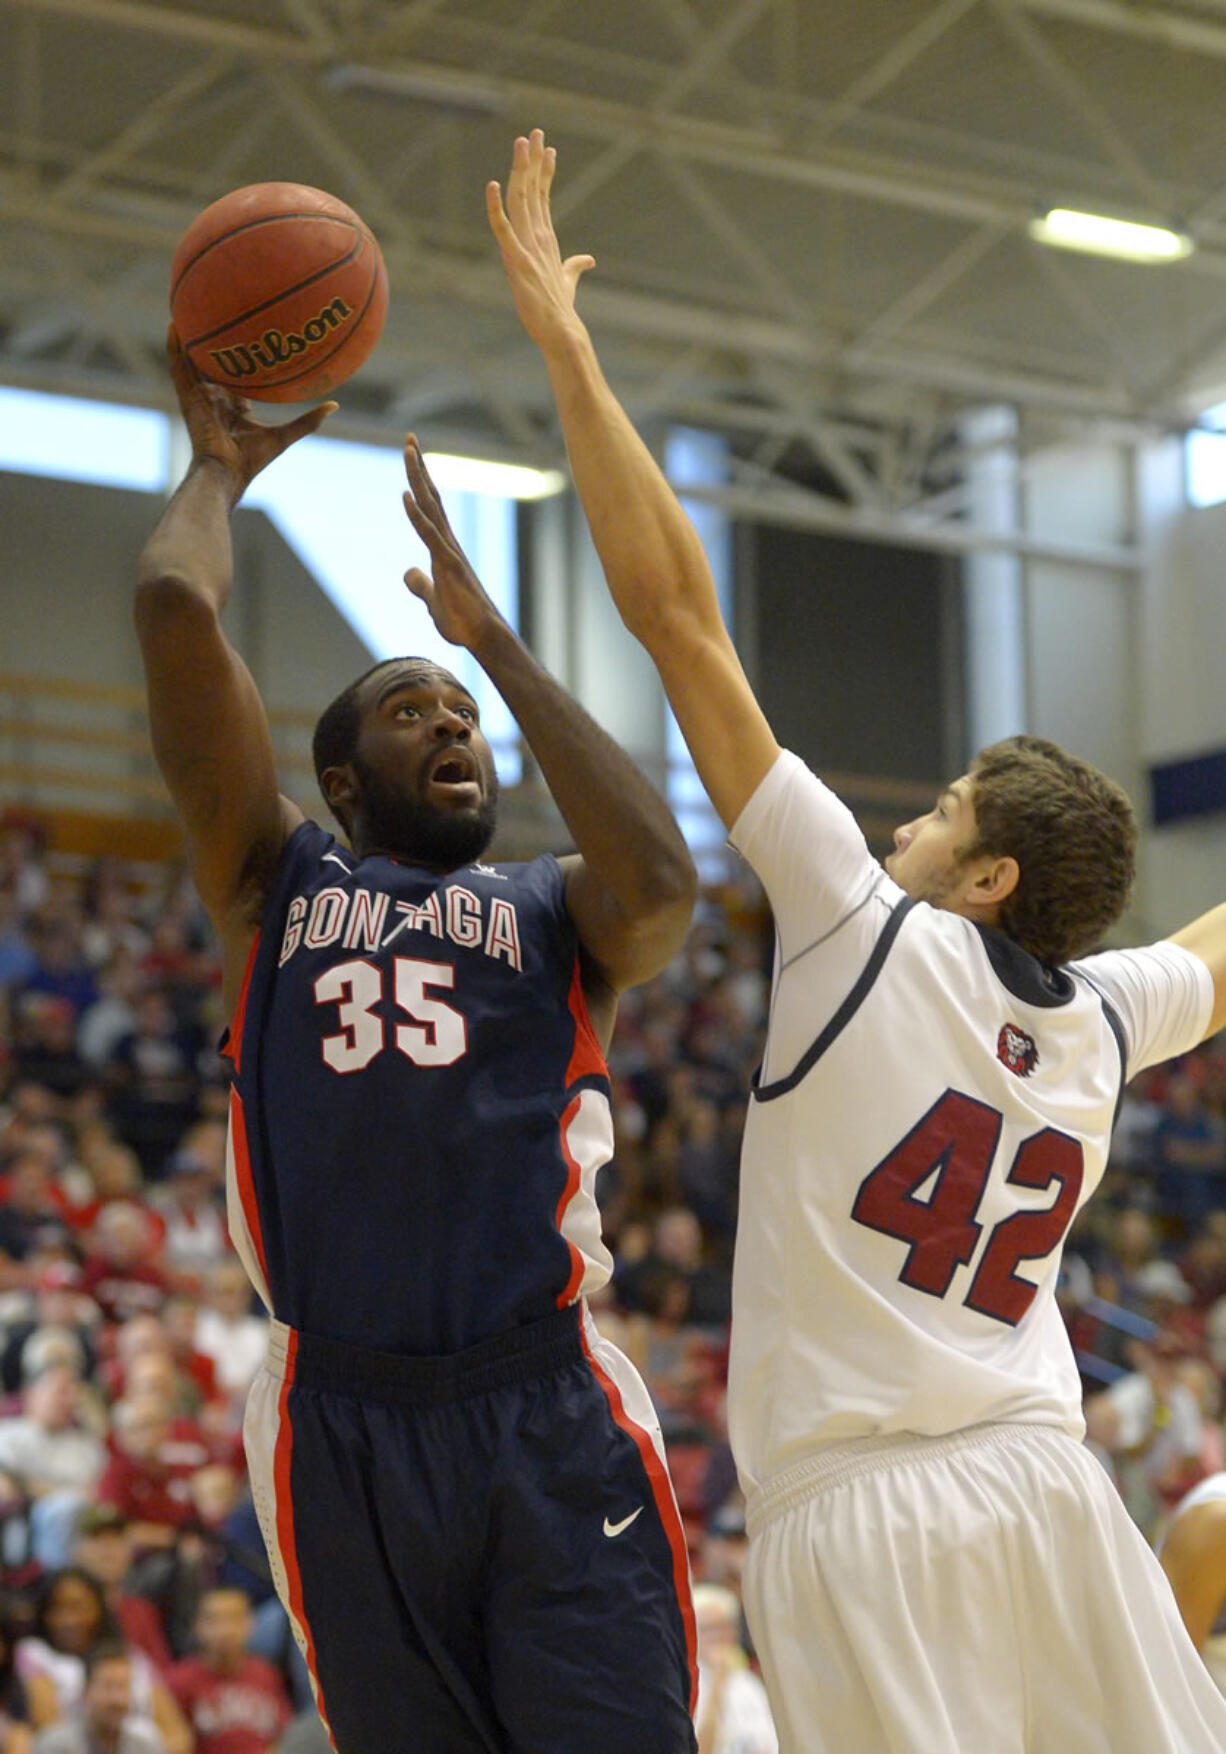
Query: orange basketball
<point x="278" y="291"/>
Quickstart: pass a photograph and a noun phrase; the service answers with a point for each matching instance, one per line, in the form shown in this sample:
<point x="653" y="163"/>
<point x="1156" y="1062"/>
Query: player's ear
<point x="339" y="786"/>
<point x="996" y="880"/>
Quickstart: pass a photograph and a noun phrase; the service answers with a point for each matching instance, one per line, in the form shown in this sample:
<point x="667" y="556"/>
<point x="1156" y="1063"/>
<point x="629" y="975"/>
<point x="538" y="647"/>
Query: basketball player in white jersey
<point x="936" y="1562"/>
<point x="1193" y="1555"/>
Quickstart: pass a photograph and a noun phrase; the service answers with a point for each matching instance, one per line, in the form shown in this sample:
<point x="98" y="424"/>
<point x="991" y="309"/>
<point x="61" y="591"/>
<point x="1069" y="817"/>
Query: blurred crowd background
<point x="131" y="1564"/>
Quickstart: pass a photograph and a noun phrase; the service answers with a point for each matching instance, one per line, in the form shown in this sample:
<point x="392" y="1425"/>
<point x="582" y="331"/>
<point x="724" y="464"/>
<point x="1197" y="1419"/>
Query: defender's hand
<point x="454" y="595"/>
<point x="542" y="283"/>
<point x="220" y="425"/>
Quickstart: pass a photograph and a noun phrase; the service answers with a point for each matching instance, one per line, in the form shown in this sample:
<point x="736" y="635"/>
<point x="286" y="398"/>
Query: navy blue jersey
<point x="419" y="1105"/>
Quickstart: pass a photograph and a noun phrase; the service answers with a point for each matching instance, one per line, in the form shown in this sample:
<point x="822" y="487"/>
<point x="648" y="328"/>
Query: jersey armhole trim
<point x="843" y="1016"/>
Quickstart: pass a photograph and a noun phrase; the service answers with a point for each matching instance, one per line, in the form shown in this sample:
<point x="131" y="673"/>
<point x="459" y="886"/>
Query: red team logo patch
<point x="1017" y="1050"/>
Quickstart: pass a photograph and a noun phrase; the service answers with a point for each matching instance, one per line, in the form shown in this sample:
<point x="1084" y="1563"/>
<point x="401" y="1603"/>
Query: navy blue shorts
<point x="479" y="1554"/>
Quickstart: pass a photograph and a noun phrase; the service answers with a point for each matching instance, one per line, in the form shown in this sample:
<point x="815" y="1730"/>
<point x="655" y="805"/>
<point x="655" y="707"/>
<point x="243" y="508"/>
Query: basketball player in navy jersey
<point x="461" y="1485"/>
<point x="936" y="1562"/>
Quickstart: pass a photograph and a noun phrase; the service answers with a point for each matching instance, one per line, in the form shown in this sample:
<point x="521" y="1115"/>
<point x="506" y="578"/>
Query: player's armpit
<point x="1194" y="1559"/>
<point x="620" y="948"/>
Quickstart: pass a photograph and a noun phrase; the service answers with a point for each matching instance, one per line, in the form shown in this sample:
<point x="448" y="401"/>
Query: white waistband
<point x="842" y="1462"/>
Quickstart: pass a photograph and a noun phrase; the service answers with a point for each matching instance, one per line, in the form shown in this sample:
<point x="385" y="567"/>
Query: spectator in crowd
<point x="71" y="1623"/>
<point x="228" y="1329"/>
<point x="17" y="958"/>
<point x="105" y="1723"/>
<point x="105" y="1550"/>
<point x="57" y="1460"/>
<point x="146" y="1480"/>
<point x="677" y="1248"/>
<point x="153" y="1081"/>
<point x="236" y="1703"/>
<point x="1189" y="1146"/>
<point x="120" y="1274"/>
<point x="15" y="1731"/>
<point x="1149" y="1424"/>
<point x="33" y="1206"/>
<point x="113" y="1016"/>
<point x="733" y="1715"/>
<point x="188" y="1205"/>
<point x="47" y="1050"/>
<point x="62" y="971"/>
<point x="55" y="1305"/>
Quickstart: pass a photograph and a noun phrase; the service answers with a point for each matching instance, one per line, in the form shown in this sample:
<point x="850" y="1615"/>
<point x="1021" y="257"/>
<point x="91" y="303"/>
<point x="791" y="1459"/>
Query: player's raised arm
<point x="652" y="557"/>
<point x="1206" y="937"/>
<point x="210" y="732"/>
<point x="631" y="890"/>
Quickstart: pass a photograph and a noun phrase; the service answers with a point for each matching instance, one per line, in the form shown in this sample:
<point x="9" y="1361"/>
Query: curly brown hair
<point x="1073" y="833"/>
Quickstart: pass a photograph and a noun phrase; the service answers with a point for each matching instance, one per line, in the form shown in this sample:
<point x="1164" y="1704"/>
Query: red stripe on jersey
<point x="666" y="1504"/>
<point x="286" y="1542"/>
<point x="233" y="1048"/>
<point x="573" y="1178"/>
<point x="587" y="1056"/>
<point x="244" y="1180"/>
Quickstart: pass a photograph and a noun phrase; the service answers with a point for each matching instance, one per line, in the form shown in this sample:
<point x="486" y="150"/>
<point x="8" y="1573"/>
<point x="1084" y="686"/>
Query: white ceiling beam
<point x="300" y="105"/>
<point x="1178" y="30"/>
<point x="714" y="48"/>
<point x="930" y="287"/>
<point x="671" y="321"/>
<point x="169" y="105"/>
<point x="1062" y="80"/>
<point x="795" y="509"/>
<point x="894" y="63"/>
<point x="755" y="151"/>
<point x="716" y="216"/>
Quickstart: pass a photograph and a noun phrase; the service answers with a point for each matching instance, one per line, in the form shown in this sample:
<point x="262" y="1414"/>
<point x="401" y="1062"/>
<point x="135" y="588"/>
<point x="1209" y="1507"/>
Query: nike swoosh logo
<point x="614" y="1529"/>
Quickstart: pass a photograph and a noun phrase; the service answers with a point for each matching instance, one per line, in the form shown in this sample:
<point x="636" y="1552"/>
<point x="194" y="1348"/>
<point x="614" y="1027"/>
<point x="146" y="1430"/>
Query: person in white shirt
<point x="57" y="1460"/>
<point x="227" y="1330"/>
<point x="733" y="1714"/>
<point x="936" y="1562"/>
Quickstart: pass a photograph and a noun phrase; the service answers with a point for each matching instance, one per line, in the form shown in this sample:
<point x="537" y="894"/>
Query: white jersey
<point x="933" y="1109"/>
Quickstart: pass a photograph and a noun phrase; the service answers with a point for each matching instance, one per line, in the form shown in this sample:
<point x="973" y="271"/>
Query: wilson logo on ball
<point x="276" y="346"/>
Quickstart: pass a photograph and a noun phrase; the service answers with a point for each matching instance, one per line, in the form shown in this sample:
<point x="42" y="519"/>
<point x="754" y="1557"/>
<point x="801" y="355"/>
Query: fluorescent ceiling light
<point x="1100" y="236"/>
<point x="505" y="480"/>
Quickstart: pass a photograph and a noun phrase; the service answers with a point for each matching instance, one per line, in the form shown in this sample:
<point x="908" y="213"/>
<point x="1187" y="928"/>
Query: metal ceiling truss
<point x="872" y="402"/>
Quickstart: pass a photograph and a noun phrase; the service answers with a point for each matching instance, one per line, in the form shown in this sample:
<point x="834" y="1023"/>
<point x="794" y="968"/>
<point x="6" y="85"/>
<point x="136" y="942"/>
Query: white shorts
<point x="983" y="1593"/>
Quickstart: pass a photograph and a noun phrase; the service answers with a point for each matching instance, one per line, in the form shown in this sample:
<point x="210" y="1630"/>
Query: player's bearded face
<point x="429" y="834"/>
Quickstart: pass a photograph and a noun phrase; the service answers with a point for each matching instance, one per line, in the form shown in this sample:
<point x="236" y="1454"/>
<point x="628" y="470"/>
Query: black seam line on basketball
<point x="286" y="292"/>
<point x="321" y="359"/>
<point x="250" y="225"/>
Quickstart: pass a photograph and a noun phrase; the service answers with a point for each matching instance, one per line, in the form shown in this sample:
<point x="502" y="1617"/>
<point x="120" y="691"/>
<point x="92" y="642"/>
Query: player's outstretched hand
<point x="220" y="425"/>
<point x="452" y="592"/>
<point x="542" y="283"/>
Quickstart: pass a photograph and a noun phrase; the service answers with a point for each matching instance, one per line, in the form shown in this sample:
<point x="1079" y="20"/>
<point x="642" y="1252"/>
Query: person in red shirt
<point x="236" y="1703"/>
<point x="119" y="1275"/>
<point x="150" y="1486"/>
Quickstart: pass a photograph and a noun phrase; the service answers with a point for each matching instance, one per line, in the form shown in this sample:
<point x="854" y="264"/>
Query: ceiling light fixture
<point x="1067" y="229"/>
<point x="506" y="480"/>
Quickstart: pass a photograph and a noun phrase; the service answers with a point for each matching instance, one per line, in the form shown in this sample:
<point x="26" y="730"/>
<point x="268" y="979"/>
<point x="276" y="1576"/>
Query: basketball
<point x="278" y="291"/>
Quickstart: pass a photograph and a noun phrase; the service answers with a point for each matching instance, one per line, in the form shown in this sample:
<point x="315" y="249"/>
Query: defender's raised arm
<point x="652" y="557"/>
